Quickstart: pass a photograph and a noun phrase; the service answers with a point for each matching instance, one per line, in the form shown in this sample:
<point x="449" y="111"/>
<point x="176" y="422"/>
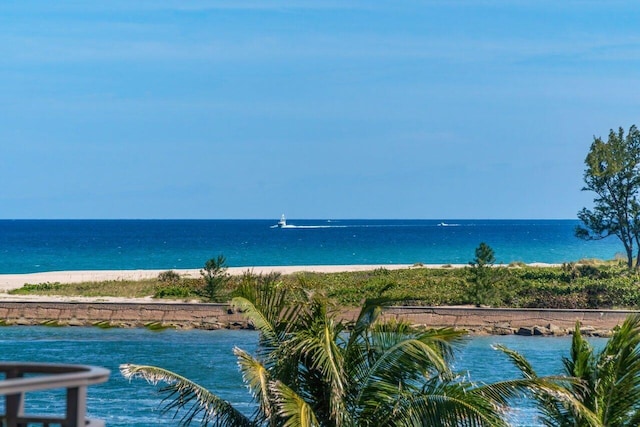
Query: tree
<point x="608" y="386"/>
<point x="215" y="277"/>
<point x="612" y="172"/>
<point x="482" y="274"/>
<point x="313" y="369"/>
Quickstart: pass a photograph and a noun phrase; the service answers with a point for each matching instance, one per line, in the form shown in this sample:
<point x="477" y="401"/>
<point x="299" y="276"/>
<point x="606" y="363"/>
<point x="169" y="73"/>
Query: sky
<point x="316" y="109"/>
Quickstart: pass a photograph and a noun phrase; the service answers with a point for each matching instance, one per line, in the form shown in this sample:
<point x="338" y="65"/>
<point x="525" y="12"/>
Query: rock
<point x="23" y="322"/>
<point x="525" y="332"/>
<point x="498" y="330"/>
<point x="541" y="331"/>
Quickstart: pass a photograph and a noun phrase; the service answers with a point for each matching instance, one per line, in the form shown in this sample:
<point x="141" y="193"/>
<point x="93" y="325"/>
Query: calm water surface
<point x="206" y="357"/>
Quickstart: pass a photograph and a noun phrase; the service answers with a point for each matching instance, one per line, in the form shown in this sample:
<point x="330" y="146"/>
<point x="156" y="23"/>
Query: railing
<point x="73" y="378"/>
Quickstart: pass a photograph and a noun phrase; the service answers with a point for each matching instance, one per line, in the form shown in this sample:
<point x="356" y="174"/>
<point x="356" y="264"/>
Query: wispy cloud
<point x="267" y="47"/>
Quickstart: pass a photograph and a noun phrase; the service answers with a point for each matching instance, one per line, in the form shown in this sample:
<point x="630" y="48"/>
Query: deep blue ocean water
<point x="206" y="357"/>
<point x="28" y="246"/>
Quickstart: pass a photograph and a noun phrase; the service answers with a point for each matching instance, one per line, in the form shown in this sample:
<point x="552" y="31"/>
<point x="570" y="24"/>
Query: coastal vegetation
<point x="608" y="386"/>
<point x="314" y="369"/>
<point x="613" y="173"/>
<point x="214" y="279"/>
<point x="483" y="280"/>
<point x="581" y="285"/>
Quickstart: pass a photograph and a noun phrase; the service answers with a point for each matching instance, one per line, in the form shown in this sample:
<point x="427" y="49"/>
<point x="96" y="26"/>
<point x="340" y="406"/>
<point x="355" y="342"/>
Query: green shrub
<point x="174" y="291"/>
<point x="37" y="287"/>
<point x="169" y="277"/>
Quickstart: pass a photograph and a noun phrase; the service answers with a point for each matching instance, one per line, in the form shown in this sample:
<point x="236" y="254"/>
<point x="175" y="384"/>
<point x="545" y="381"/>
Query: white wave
<point x="311" y="226"/>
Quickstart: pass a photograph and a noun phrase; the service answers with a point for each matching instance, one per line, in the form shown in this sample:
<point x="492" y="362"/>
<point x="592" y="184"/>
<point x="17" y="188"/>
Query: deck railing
<point x="19" y="379"/>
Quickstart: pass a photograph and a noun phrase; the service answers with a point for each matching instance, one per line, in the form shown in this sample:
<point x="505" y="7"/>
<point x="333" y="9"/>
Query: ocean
<point x="205" y="356"/>
<point x="29" y="246"/>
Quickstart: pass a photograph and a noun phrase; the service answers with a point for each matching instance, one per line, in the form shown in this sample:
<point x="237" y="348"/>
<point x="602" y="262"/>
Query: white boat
<point x="283" y="222"/>
<point x="443" y="224"/>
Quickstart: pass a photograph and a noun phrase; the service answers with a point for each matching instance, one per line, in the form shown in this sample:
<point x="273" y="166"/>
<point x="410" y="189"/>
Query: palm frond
<point x="270" y="305"/>
<point x="618" y="368"/>
<point x="518" y="360"/>
<point x="446" y="405"/>
<point x="401" y="368"/>
<point x="257" y="378"/>
<point x="317" y="349"/>
<point x="552" y="393"/>
<point x="558" y="398"/>
<point x="410" y="355"/>
<point x="295" y="411"/>
<point x="371" y="310"/>
<point x="183" y="394"/>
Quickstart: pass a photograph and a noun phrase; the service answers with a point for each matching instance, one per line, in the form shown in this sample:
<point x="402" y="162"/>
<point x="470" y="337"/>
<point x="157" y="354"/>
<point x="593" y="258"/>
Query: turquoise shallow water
<point x="206" y="357"/>
<point x="40" y="245"/>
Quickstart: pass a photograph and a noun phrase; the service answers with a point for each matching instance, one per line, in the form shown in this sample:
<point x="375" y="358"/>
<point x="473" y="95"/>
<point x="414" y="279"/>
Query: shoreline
<point x="14" y="281"/>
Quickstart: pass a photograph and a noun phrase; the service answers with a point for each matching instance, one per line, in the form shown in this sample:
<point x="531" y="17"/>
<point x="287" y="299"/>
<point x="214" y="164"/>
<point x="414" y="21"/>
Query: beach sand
<point x="14" y="281"/>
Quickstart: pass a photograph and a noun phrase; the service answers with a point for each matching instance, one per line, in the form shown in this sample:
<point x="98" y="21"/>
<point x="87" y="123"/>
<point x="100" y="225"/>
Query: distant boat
<point x="443" y="224"/>
<point x="283" y="222"/>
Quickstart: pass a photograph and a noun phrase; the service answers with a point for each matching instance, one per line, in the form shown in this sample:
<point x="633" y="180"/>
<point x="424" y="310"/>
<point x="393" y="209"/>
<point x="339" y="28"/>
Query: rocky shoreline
<point x="181" y="315"/>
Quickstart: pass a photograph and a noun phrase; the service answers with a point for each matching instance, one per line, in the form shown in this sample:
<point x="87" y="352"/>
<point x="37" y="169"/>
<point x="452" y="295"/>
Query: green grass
<point x="111" y="288"/>
<point x="574" y="285"/>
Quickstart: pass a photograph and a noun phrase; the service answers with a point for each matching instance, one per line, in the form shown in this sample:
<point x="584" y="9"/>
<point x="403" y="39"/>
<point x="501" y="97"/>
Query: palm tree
<point x="608" y="386"/>
<point x="314" y="369"/>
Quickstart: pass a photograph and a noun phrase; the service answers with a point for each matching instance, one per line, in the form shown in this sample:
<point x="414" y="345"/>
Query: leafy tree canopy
<point x="612" y="172"/>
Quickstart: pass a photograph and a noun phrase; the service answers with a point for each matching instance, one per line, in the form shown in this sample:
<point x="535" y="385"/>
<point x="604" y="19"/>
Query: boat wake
<point x="315" y="226"/>
<point x="283" y="224"/>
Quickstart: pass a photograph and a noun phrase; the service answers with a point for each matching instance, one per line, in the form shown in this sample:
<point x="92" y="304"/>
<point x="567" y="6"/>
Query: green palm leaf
<point x="267" y="303"/>
<point x="183" y="394"/>
<point x="445" y="405"/>
<point x="316" y="347"/>
<point x="292" y="408"/>
<point x="618" y="383"/>
<point x="257" y="378"/>
<point x="604" y="388"/>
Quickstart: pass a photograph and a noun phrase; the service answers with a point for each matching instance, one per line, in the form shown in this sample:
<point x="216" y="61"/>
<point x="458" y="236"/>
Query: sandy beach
<point x="14" y="281"/>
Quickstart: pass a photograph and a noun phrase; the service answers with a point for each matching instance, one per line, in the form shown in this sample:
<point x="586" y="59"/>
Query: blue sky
<point x="316" y="109"/>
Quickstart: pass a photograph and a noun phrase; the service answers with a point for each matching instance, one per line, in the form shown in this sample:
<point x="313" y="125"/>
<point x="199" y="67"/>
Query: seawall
<point x="217" y="316"/>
